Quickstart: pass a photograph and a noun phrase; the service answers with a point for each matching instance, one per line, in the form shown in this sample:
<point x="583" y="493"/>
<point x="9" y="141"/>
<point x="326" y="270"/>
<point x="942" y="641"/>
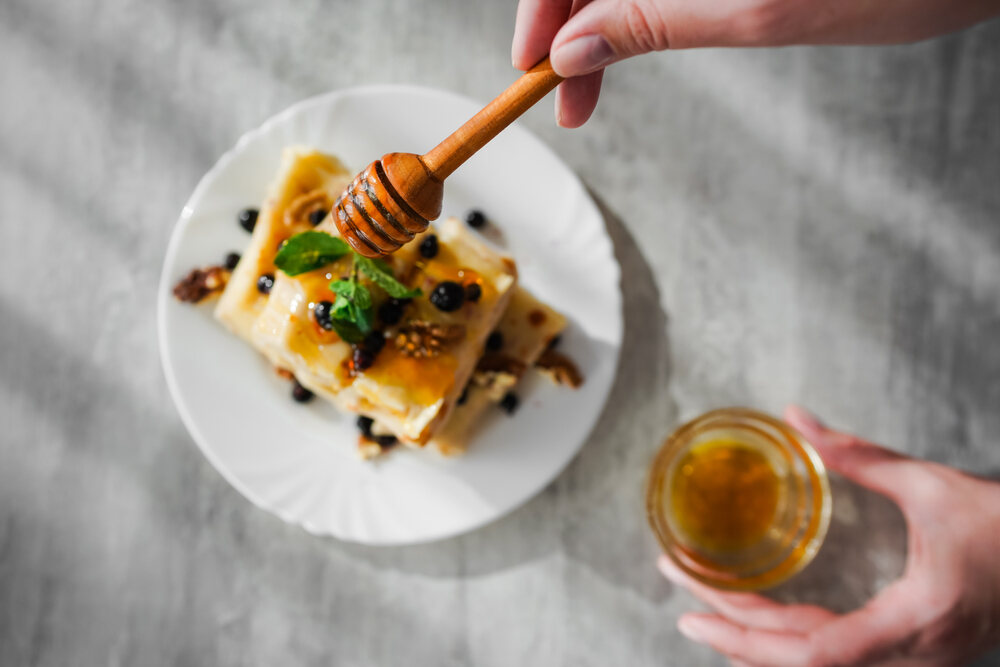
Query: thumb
<point x="898" y="477"/>
<point x="605" y="31"/>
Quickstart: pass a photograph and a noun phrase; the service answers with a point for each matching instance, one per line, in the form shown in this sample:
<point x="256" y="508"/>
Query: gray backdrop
<point x="814" y="225"/>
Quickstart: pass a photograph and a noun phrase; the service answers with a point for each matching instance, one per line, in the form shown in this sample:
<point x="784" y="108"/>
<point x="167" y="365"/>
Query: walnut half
<point x="201" y="283"/>
<point x="424" y="339"/>
<point x="559" y="368"/>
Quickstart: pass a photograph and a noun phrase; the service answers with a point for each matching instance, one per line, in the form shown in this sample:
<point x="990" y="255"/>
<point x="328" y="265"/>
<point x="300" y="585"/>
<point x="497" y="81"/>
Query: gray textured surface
<point x="802" y="224"/>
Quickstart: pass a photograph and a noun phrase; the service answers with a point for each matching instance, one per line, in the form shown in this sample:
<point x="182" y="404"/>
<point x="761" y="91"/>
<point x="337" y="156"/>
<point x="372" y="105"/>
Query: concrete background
<point x="813" y="225"/>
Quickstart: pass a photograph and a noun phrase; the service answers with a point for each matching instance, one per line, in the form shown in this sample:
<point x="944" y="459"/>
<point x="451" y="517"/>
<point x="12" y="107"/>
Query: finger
<point x="877" y="630"/>
<point x="576" y="99"/>
<point x="749" y="609"/>
<point x="606" y="31"/>
<point x="905" y="480"/>
<point x="766" y="647"/>
<point x="536" y="24"/>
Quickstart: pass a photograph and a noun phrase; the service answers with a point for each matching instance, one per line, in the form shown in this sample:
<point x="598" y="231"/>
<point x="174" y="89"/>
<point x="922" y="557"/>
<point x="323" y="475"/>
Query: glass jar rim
<point x="813" y="531"/>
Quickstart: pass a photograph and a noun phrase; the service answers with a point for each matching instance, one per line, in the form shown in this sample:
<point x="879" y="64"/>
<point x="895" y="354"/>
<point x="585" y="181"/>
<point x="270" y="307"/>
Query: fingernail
<point x="582" y="55"/>
<point x="668" y="569"/>
<point x="805" y="418"/>
<point x="692" y="629"/>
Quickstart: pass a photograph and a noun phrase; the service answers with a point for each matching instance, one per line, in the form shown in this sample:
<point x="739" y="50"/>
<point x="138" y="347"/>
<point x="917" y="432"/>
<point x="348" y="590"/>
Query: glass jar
<point x="738" y="499"/>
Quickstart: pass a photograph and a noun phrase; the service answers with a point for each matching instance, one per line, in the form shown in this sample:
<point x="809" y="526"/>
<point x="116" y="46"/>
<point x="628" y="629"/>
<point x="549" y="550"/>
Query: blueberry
<point x="265" y="283"/>
<point x="472" y="292"/>
<point x="429" y="247"/>
<point x="317" y="216"/>
<point x="385" y="440"/>
<point x="365" y="425"/>
<point x="448" y="296"/>
<point x="300" y="393"/>
<point x="374" y="342"/>
<point x="247" y="218"/>
<point x="509" y="402"/>
<point x="494" y="342"/>
<point x="323" y="314"/>
<point x="390" y="312"/>
<point x="475" y="218"/>
<point x="363" y="359"/>
<point x="232" y="259"/>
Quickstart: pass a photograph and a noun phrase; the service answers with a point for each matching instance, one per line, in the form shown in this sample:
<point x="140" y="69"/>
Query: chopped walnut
<point x="495" y="383"/>
<point x="497" y="374"/>
<point x="368" y="449"/>
<point x="424" y="339"/>
<point x="201" y="283"/>
<point x="304" y="205"/>
<point x="559" y="368"/>
<point x="493" y="362"/>
<point x="378" y="441"/>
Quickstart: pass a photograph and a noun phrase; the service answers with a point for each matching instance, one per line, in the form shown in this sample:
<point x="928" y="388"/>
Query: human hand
<point x="943" y="611"/>
<point x="584" y="36"/>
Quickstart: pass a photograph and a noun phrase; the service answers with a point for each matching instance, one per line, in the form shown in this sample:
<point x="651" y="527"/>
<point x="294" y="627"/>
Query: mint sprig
<point x="353" y="311"/>
<point x="309" y="251"/>
<point x="353" y="304"/>
<point x="381" y="275"/>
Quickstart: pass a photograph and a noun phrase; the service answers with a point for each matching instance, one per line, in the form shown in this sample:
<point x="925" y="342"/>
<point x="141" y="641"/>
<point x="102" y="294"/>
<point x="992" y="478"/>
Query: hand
<point x="943" y="611"/>
<point x="584" y="36"/>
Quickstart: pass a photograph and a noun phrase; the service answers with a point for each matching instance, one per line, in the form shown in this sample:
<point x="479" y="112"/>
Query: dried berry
<point x="374" y="342"/>
<point x="363" y="359"/>
<point x="300" y="393"/>
<point x="385" y="440"/>
<point x="317" y="216"/>
<point x="464" y="397"/>
<point x="232" y="259"/>
<point x="248" y="218"/>
<point x="390" y="312"/>
<point x="365" y="425"/>
<point x="265" y="283"/>
<point x="494" y="342"/>
<point x="448" y="296"/>
<point x="472" y="292"/>
<point x="475" y="219"/>
<point x="509" y="402"/>
<point x="323" y="312"/>
<point x="429" y="247"/>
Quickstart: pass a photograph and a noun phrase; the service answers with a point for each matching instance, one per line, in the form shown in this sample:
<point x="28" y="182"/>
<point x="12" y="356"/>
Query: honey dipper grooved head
<point x="387" y="204"/>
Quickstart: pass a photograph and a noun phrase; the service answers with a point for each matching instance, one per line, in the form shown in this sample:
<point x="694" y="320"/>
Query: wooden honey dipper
<point x="395" y="198"/>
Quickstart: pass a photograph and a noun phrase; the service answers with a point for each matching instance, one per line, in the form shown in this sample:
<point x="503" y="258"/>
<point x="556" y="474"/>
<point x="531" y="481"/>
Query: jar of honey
<point x="738" y="499"/>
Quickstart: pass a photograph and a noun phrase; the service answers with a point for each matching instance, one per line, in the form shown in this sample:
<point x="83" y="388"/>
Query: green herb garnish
<point x="309" y="251"/>
<point x="381" y="275"/>
<point x="353" y="304"/>
<point x="353" y="312"/>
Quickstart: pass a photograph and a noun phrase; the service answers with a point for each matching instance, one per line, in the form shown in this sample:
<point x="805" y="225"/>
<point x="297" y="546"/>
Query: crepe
<point x="410" y="394"/>
<point x="528" y="327"/>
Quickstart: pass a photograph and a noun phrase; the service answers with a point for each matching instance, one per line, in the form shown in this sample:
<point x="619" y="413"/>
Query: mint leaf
<point x="347" y="331"/>
<point x="353" y="304"/>
<point x="308" y="251"/>
<point x="343" y="310"/>
<point x="381" y="275"/>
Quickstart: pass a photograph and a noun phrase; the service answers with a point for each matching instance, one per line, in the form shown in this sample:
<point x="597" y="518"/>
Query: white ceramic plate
<point x="298" y="461"/>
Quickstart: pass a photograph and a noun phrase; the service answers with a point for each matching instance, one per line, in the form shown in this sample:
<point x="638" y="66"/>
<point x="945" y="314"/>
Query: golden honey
<point x="738" y="499"/>
<point x="724" y="495"/>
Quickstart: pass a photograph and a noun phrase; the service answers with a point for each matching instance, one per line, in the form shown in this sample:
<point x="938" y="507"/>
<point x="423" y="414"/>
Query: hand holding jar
<point x="944" y="610"/>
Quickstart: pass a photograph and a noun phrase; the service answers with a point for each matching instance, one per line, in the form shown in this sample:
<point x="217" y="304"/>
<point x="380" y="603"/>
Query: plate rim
<point x="164" y="291"/>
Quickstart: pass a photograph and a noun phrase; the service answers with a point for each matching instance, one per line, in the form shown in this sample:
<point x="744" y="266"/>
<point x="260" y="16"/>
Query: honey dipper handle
<point x="532" y="86"/>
